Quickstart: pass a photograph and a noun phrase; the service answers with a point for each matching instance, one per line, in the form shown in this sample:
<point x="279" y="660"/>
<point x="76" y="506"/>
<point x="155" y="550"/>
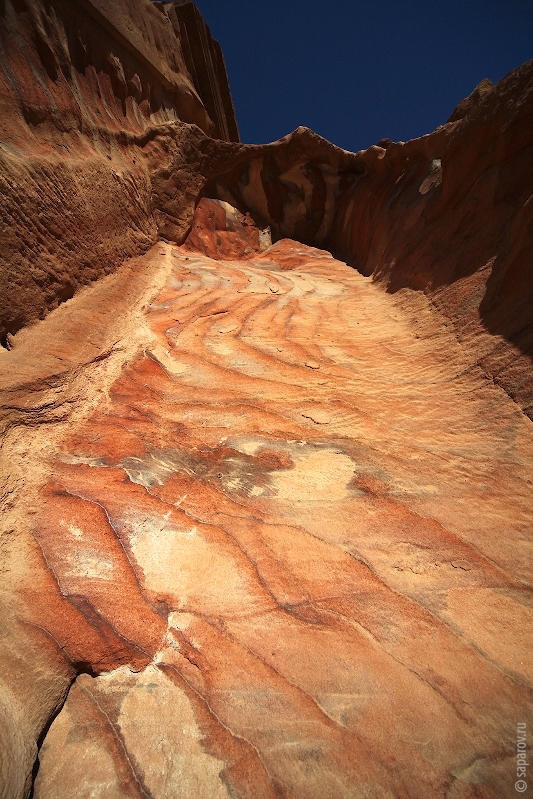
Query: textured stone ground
<point x="264" y="521"/>
<point x="282" y="534"/>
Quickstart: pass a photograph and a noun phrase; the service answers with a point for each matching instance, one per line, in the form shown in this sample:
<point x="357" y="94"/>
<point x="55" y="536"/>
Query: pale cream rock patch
<point x="155" y="733"/>
<point x="170" y="748"/>
<point x="318" y="475"/>
<point x="188" y="570"/>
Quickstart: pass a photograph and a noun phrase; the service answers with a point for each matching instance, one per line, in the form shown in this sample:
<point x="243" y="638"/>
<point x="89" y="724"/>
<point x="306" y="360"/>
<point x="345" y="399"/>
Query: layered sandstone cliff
<point x="266" y="484"/>
<point x="82" y="85"/>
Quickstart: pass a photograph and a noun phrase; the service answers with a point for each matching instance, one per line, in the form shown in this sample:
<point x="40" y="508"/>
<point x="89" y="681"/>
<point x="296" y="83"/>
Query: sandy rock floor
<point x="277" y="519"/>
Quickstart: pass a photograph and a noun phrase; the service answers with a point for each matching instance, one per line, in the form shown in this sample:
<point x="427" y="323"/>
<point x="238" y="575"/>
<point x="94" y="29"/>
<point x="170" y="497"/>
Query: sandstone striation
<point x="254" y="531"/>
<point x="266" y="483"/>
<point x="131" y="174"/>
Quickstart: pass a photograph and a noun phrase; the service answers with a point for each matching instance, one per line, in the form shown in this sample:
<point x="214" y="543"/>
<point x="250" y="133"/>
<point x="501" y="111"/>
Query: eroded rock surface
<point x="265" y="513"/>
<point x="107" y="117"/>
<point x="83" y="85"/>
<point x="259" y="535"/>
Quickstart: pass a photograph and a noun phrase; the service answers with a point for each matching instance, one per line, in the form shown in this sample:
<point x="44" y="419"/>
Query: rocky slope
<point x="265" y="508"/>
<point x="252" y="526"/>
<point x="82" y="85"/>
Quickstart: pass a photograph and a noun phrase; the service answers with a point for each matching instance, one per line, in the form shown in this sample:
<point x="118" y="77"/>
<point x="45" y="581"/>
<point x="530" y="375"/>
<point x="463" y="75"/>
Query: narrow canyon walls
<point x="449" y="214"/>
<point x="265" y="486"/>
<point x="117" y="118"/>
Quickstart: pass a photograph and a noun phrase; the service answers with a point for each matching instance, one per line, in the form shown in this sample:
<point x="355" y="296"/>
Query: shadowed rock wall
<point x="205" y="63"/>
<point x="78" y="82"/>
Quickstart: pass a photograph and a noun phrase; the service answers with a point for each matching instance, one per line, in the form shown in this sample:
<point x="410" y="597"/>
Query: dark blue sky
<point x="359" y="71"/>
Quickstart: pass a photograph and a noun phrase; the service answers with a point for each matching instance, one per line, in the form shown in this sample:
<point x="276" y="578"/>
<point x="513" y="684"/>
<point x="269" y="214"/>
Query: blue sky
<point x="359" y="71"/>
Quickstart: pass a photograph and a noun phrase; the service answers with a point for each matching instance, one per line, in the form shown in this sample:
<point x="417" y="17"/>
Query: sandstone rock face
<point x="447" y="214"/>
<point x="205" y="63"/>
<point x="220" y="231"/>
<point x="251" y="524"/>
<point x="265" y="516"/>
<point x="81" y="84"/>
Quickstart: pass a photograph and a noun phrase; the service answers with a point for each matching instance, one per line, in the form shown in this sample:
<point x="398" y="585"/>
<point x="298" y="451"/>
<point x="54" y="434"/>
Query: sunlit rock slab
<point x="288" y="548"/>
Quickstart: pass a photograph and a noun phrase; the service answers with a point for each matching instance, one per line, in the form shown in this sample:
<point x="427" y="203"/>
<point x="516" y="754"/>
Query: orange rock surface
<point x="266" y="507"/>
<point x="83" y="86"/>
<point x="279" y="524"/>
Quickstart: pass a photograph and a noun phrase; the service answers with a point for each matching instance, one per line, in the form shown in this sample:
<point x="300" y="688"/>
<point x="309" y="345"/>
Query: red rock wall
<point x="449" y="214"/>
<point x="205" y="63"/>
<point x="78" y="82"/>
